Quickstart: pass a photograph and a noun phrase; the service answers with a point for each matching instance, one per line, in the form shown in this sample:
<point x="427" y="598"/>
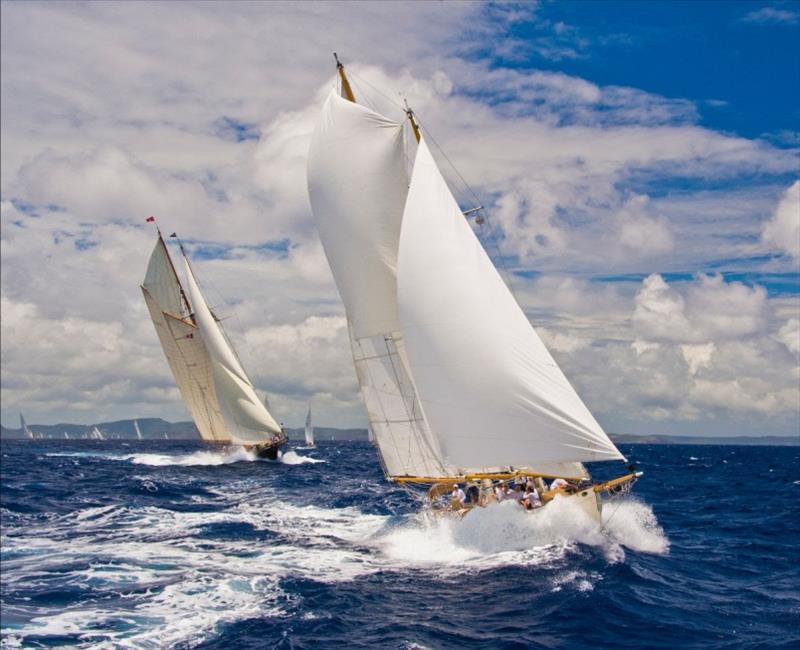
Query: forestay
<point x="489" y="388"/>
<point x="357" y="185"/>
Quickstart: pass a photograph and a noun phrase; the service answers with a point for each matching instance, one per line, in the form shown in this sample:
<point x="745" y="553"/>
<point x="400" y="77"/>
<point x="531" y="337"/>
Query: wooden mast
<point x="347" y="91"/>
<point x="413" y="121"/>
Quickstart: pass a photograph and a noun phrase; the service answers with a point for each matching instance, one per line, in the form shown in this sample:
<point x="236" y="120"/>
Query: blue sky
<point x="740" y="67"/>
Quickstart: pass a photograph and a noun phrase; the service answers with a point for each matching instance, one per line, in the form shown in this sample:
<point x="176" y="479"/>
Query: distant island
<point x="152" y="429"/>
<point x="158" y="429"/>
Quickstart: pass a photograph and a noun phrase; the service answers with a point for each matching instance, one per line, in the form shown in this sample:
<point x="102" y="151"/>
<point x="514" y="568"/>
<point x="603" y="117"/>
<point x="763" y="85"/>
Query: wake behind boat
<point x="457" y="384"/>
<point x="212" y="381"/>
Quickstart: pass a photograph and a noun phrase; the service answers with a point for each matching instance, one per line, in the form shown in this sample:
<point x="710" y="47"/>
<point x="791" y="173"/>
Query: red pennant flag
<point x="150" y="219"/>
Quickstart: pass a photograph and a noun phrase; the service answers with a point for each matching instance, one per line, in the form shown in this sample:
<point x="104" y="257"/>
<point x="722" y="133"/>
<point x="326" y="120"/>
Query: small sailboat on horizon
<point x="26" y="431"/>
<point x="213" y="383"/>
<point x="309" y="430"/>
<point x="457" y="384"/>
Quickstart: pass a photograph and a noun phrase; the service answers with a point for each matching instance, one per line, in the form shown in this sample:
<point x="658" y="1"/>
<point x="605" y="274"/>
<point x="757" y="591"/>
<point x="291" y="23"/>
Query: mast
<point x="177" y="279"/>
<point x="347" y="91"/>
<point x="413" y="121"/>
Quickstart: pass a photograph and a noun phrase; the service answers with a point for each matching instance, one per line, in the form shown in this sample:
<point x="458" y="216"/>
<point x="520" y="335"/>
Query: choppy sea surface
<point x="159" y="544"/>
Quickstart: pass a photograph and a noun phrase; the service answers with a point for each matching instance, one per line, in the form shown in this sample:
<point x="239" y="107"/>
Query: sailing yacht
<point x="457" y="384"/>
<point x="137" y="429"/>
<point x="24" y="427"/>
<point x="213" y="384"/>
<point x="309" y="430"/>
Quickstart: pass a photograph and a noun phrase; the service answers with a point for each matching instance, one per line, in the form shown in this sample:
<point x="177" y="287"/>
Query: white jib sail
<point x="248" y="421"/>
<point x="309" y="430"/>
<point x="183" y="347"/>
<point x="490" y="389"/>
<point x="357" y="185"/>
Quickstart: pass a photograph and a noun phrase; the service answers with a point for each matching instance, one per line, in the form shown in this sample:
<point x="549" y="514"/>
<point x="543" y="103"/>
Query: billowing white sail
<point x="213" y="384"/>
<point x="182" y="345"/>
<point x="246" y="419"/>
<point x="24" y="427"/>
<point x="357" y="185"/>
<point x="309" y="430"/>
<point x="490" y="389"/>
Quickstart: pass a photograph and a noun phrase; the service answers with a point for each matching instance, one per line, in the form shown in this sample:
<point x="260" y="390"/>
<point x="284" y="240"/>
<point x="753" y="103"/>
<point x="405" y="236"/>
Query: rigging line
<point x="377" y="90"/>
<point x="490" y="232"/>
<point x="410" y="413"/>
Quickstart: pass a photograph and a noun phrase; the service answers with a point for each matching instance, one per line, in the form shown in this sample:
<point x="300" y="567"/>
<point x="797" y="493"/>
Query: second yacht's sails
<point x="357" y="185"/>
<point x="489" y="387"/>
<point x="309" y="430"/>
<point x="182" y="345"/>
<point x="247" y="420"/>
<point x="213" y="384"/>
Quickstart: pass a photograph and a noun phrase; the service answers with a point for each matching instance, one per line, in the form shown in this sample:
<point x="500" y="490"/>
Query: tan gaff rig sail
<point x="213" y="385"/>
<point x="420" y="353"/>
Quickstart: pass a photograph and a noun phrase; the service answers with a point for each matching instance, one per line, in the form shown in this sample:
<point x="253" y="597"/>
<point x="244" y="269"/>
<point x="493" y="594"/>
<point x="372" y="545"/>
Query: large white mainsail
<point x="490" y="389"/>
<point x="309" y="430"/>
<point x="213" y="384"/>
<point x="357" y="185"/>
<point x="454" y="378"/>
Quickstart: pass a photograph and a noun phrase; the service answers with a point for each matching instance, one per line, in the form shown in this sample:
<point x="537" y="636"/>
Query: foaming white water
<point x="633" y="524"/>
<point x="505" y="534"/>
<point x="216" y="457"/>
<point x="291" y="457"/>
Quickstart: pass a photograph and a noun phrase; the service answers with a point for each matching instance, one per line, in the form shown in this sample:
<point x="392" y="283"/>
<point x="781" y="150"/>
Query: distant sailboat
<point x="137" y="429"/>
<point x="25" y="429"/>
<point x="457" y="384"/>
<point x="97" y="434"/>
<point x="309" y="430"/>
<point x="209" y="374"/>
<point x="370" y="435"/>
<point x="166" y="437"/>
<point x="66" y="436"/>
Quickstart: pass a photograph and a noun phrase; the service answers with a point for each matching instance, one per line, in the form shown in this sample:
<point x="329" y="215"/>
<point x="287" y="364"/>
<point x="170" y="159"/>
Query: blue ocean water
<point x="159" y="544"/>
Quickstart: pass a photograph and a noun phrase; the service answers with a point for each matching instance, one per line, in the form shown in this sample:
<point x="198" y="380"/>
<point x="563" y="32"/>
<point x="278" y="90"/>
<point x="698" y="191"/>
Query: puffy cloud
<point x="789" y="335"/>
<point x="783" y="230"/>
<point x="710" y="310"/>
<point x="641" y="234"/>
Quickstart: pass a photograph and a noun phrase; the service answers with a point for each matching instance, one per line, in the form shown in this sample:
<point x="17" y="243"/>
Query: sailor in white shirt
<point x="458" y="494"/>
<point x="533" y="500"/>
<point x="558" y="483"/>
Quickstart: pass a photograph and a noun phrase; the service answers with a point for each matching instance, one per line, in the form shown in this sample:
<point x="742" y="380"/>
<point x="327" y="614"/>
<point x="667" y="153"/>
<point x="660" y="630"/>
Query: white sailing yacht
<point x="309" y="430"/>
<point x="214" y="385"/>
<point x="137" y="429"/>
<point x="457" y="384"/>
<point x="97" y="434"/>
<point x="24" y="427"/>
